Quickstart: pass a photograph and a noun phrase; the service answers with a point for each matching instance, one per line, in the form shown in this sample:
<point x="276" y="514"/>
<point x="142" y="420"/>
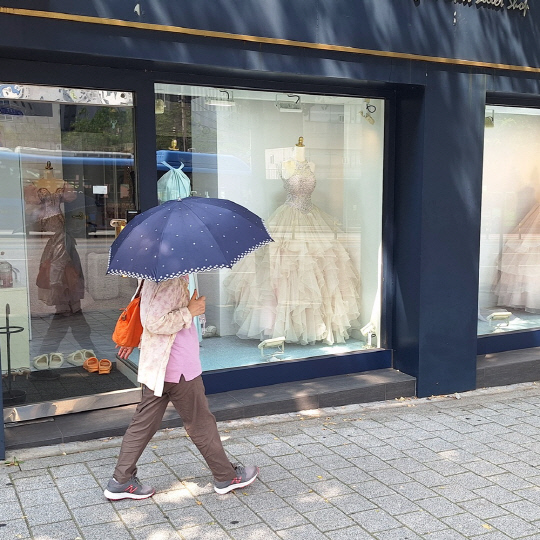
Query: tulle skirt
<point x="518" y="284"/>
<point x="303" y="286"/>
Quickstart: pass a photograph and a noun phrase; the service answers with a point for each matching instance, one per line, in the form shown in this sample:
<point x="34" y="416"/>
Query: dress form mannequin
<point x="49" y="182"/>
<point x="299" y="156"/>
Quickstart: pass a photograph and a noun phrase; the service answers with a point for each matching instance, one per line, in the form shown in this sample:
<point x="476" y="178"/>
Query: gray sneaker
<point x="244" y="477"/>
<point x="132" y="489"/>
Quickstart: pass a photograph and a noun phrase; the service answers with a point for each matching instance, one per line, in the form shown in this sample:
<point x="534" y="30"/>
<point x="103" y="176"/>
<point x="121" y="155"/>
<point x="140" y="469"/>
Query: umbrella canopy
<point x="194" y="234"/>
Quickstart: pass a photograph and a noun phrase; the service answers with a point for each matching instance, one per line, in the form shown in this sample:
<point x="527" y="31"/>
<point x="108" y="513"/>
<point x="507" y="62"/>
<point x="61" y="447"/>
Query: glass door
<point x="66" y="171"/>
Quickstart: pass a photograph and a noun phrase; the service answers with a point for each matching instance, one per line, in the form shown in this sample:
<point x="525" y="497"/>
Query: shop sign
<point x="511" y="5"/>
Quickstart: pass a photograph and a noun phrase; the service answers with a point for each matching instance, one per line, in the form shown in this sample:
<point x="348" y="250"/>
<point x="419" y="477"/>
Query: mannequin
<point x="303" y="286"/>
<point x="299" y="156"/>
<point x="60" y="278"/>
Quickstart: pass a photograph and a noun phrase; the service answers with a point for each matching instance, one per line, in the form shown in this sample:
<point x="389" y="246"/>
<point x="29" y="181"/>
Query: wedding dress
<point x="303" y="286"/>
<point x="518" y="285"/>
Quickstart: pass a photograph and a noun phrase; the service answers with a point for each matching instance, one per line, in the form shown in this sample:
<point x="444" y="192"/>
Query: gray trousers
<point x="189" y="399"/>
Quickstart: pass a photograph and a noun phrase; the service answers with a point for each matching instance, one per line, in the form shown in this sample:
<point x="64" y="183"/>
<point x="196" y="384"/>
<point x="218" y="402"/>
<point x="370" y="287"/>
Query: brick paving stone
<point x="59" y="530"/>
<point x="329" y="519"/>
<point x="295" y="461"/>
<point x="175" y="498"/>
<point x="76" y="483"/>
<point x="118" y="531"/>
<point x="257" y="503"/>
<point x="97" y="513"/>
<point x="311" y="474"/>
<point x="466" y="524"/>
<point x="350" y="533"/>
<point x="497" y="535"/>
<point x="513" y="526"/>
<point x="446" y="467"/>
<point x="374" y="488"/>
<point x="415" y="491"/>
<point x="303" y="532"/>
<point x="375" y="520"/>
<point x="331" y="488"/>
<point x="395" y="504"/>
<point x="398" y="534"/>
<point x="205" y="532"/>
<point x="307" y="501"/>
<point x="47" y="513"/>
<point x="286" y="518"/>
<point x="139" y="516"/>
<point x="524" y="509"/>
<point x="351" y="475"/>
<point x="471" y="480"/>
<point x="447" y="534"/>
<point x="29" y="499"/>
<point x="421" y="522"/>
<point x="14" y="528"/>
<point x="391" y="477"/>
<point x="510" y="481"/>
<point x="274" y="472"/>
<point x="74" y="469"/>
<point x="163" y="531"/>
<point x="455" y="493"/>
<point x="259" y="531"/>
<point x="10" y="510"/>
<point x="497" y="495"/>
<point x="440" y="507"/>
<point x="483" y="508"/>
<point x="184" y="518"/>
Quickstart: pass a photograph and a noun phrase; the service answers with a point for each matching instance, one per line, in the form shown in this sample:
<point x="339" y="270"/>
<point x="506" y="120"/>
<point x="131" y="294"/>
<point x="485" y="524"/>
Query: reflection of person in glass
<point x="303" y="286"/>
<point x="60" y="278"/>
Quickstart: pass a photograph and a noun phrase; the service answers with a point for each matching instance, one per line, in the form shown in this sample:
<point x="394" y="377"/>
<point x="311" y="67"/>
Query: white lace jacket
<point x="163" y="314"/>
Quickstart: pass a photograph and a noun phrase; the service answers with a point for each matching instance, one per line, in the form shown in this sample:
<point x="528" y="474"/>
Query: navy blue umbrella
<point x="184" y="236"/>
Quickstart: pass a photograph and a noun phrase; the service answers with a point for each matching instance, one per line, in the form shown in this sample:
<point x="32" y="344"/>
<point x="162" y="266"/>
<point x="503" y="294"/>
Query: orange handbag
<point x="128" y="329"/>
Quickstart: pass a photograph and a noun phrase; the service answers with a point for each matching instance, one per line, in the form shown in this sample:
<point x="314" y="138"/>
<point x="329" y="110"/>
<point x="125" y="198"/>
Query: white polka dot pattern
<point x="185" y="236"/>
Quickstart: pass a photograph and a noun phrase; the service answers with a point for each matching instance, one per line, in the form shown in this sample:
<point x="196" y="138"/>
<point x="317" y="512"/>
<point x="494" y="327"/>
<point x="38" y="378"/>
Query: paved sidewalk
<point x="445" y="468"/>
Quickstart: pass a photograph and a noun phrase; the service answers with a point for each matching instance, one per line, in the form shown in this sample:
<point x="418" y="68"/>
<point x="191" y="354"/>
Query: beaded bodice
<point x="299" y="187"/>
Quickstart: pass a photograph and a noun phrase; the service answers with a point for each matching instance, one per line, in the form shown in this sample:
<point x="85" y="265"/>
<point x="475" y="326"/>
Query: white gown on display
<point x="303" y="286"/>
<point x="518" y="285"/>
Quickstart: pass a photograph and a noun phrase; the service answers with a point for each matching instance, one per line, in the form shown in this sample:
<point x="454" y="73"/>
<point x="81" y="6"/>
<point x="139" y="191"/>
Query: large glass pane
<point x="509" y="297"/>
<point x="312" y="168"/>
<point x="66" y="170"/>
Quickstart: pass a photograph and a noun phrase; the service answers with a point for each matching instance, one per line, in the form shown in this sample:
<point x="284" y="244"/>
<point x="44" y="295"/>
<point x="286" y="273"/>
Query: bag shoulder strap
<point x="137" y="294"/>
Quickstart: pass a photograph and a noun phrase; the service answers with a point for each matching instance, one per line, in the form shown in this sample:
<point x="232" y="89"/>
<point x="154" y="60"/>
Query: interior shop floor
<point x="93" y="330"/>
<point x="65" y="383"/>
<point x="518" y="319"/>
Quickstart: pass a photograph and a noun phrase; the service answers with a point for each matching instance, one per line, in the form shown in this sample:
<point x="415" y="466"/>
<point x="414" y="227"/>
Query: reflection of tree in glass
<point x="186" y="119"/>
<point x="174" y="123"/>
<point x="100" y="128"/>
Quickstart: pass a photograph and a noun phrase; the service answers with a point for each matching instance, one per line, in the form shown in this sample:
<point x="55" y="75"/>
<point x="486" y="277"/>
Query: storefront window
<point x="509" y="297"/>
<point x="66" y="171"/>
<point x="312" y="168"/>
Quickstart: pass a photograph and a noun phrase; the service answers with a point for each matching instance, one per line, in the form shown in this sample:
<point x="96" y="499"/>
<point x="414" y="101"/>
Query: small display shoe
<point x="41" y="361"/>
<point x="76" y="358"/>
<point x="56" y="360"/>
<point x="91" y="364"/>
<point x="105" y="366"/>
<point x="24" y="371"/>
<point x="88" y="353"/>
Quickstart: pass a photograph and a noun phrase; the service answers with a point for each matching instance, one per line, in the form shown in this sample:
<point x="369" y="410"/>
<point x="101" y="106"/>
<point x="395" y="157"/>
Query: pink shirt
<point x="184" y="358"/>
<point x="164" y="315"/>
